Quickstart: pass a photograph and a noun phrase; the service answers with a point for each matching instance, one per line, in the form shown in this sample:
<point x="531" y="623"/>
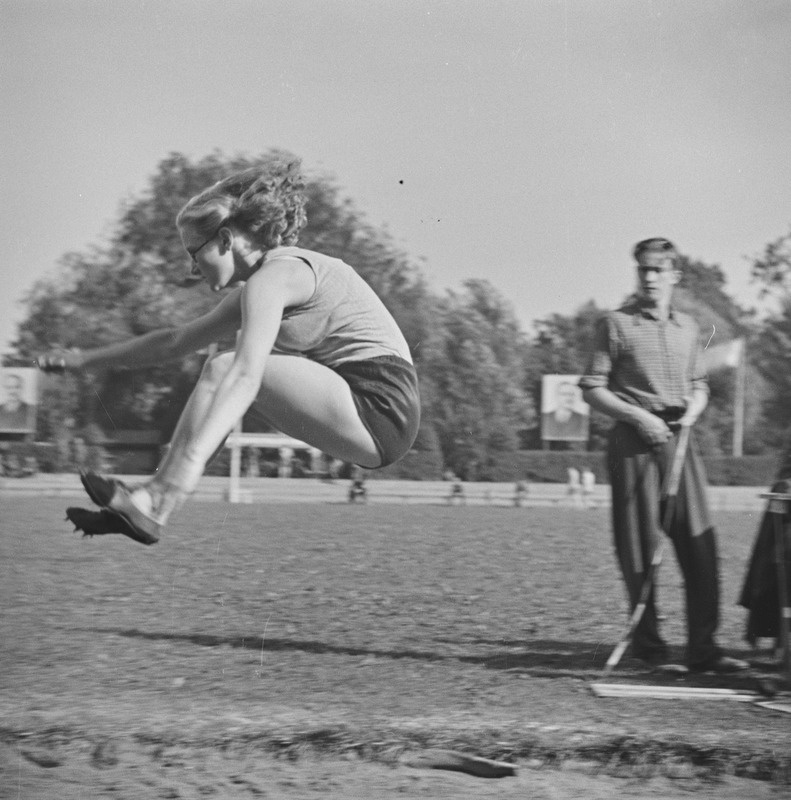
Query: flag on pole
<point x="723" y="356"/>
<point x="730" y="355"/>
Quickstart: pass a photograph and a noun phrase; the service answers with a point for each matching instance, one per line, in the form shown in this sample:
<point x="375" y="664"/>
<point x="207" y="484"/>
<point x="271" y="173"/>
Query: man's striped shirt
<point x="653" y="363"/>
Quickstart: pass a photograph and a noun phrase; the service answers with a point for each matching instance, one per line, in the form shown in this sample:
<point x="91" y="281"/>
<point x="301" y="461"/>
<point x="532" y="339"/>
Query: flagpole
<point x="738" y="402"/>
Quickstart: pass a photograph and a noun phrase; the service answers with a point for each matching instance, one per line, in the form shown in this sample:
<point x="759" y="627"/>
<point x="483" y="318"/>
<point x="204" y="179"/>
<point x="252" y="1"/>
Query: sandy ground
<point x="129" y="774"/>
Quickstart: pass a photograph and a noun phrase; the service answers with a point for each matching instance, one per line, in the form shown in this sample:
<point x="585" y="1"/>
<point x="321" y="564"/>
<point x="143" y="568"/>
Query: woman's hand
<point x="60" y="361"/>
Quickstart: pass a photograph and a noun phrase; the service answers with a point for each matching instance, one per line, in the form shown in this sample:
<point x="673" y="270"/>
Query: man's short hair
<point x="657" y="244"/>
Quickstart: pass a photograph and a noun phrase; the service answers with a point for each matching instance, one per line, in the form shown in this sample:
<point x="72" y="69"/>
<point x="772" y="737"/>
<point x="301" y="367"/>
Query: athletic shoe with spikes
<point x="115" y="496"/>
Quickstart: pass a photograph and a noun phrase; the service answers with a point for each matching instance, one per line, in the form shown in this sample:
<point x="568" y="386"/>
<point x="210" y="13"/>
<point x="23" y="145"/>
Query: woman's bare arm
<point x="156" y="347"/>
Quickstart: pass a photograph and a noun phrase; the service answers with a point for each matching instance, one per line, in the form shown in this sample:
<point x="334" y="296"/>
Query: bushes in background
<point x="542" y="466"/>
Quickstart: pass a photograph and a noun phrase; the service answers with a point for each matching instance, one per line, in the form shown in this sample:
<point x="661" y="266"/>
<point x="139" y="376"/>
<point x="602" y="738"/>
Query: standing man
<point x="646" y="373"/>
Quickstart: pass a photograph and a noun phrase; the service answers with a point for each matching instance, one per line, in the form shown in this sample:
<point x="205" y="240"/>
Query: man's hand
<point x="695" y="405"/>
<point x="782" y="486"/>
<point x="651" y="428"/>
<point x="687" y="421"/>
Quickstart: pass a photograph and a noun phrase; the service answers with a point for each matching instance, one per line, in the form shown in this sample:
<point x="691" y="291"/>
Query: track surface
<point x="303" y="651"/>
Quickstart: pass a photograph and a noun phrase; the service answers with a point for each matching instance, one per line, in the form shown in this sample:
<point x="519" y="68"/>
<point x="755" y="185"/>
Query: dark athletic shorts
<point x="386" y="394"/>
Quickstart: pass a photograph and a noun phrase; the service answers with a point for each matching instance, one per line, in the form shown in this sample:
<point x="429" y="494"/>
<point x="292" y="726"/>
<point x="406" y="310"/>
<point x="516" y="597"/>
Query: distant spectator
<point x="29" y="467"/>
<point x="574" y="485"/>
<point x="588" y="482"/>
<point x="457" y="494"/>
<point x="357" y="490"/>
<point x="12" y="465"/>
<point x="520" y="493"/>
<point x="316" y="462"/>
<point x="286" y="454"/>
<point x="79" y="452"/>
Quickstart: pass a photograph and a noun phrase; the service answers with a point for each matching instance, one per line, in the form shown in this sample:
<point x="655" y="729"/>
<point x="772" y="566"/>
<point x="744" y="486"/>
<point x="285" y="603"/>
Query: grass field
<point x="292" y="633"/>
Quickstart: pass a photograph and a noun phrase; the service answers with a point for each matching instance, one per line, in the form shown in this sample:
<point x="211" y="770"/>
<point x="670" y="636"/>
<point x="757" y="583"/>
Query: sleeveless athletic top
<point x="344" y="320"/>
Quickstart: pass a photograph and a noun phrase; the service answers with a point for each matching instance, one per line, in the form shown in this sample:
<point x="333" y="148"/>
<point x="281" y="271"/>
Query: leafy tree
<point x="772" y="270"/>
<point x="476" y="374"/>
<point x="772" y="344"/>
<point x="772" y="348"/>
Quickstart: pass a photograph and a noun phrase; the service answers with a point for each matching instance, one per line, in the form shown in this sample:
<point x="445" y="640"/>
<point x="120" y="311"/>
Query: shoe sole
<point x="671" y="669"/>
<point x="142" y="535"/>
<point x="102" y="523"/>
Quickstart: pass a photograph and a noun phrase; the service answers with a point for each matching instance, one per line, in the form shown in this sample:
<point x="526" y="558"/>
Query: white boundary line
<point x="671" y="692"/>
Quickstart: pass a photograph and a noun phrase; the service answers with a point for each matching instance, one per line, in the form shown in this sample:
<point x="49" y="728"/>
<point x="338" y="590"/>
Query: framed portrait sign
<point x="565" y="416"/>
<point x="18" y="399"/>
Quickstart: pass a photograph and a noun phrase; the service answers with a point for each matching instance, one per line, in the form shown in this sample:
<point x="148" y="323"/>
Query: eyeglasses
<point x="194" y="271"/>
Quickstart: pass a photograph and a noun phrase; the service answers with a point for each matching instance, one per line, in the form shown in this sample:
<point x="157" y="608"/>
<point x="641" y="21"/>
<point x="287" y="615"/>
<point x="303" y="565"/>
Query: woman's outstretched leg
<point x="165" y="498"/>
<point x="198" y="404"/>
<point x="299" y="397"/>
<point x="156" y="499"/>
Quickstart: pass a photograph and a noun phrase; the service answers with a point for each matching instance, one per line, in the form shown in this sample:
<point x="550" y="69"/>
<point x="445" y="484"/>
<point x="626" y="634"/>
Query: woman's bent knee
<point x="216" y="368"/>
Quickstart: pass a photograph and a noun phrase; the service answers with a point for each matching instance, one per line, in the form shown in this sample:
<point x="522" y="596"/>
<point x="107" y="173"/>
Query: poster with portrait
<point x="565" y="416"/>
<point x="18" y="399"/>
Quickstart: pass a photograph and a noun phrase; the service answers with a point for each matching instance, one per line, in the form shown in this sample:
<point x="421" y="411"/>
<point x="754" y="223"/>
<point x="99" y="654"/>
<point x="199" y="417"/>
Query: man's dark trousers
<point x="637" y="471"/>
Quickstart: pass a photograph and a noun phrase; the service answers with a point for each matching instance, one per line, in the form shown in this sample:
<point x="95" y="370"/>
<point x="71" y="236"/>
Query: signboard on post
<point x="565" y="416"/>
<point x="18" y="399"/>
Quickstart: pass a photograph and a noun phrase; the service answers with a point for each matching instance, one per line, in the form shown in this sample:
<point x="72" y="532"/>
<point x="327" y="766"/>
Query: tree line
<point x="480" y="370"/>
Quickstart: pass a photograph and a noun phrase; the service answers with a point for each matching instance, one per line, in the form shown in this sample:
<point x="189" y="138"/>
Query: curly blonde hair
<point x="266" y="202"/>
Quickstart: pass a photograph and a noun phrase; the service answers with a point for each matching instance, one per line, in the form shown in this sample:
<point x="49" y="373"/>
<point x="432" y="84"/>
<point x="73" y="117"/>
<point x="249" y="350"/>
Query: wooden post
<point x="234" y="491"/>
<point x="738" y="403"/>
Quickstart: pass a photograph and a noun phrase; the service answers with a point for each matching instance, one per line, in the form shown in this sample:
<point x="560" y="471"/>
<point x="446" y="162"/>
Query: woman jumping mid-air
<point x="317" y="352"/>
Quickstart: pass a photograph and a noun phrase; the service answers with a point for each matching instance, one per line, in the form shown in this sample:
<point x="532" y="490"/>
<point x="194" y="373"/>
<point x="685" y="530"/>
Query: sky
<point x="528" y="142"/>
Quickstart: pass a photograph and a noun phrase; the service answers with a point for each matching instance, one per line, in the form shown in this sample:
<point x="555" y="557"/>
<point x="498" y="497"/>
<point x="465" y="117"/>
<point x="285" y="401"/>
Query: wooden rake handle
<point x="677" y="467"/>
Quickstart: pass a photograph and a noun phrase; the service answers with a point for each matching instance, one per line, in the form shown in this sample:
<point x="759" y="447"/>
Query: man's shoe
<point x="668" y="668"/>
<point x="664" y="665"/>
<point x="659" y="661"/>
<point x="722" y="665"/>
<point x="100" y="523"/>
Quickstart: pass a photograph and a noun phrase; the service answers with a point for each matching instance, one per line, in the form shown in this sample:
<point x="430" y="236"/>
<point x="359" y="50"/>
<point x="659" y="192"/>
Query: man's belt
<point x="670" y="414"/>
